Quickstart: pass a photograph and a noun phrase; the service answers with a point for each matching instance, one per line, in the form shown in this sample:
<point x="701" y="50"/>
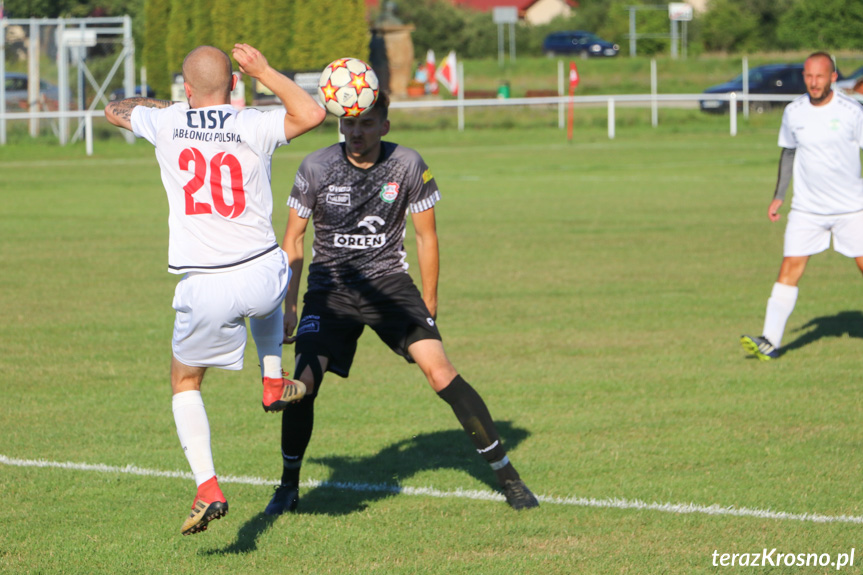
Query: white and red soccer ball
<point x="348" y="87"/>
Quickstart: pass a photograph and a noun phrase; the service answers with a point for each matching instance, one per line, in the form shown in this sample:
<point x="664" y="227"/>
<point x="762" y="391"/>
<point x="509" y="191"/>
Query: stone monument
<point x="398" y="50"/>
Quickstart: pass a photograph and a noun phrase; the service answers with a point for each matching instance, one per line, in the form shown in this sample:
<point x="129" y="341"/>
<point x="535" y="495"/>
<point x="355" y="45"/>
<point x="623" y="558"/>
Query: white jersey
<point x="827" y="140"/>
<point x="215" y="164"/>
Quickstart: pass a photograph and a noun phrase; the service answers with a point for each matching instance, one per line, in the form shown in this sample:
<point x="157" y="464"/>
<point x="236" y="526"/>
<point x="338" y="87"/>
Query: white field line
<point x="611" y="503"/>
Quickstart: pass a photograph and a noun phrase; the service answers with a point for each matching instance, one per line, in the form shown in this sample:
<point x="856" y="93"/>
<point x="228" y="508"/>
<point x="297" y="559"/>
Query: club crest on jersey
<point x="389" y="192"/>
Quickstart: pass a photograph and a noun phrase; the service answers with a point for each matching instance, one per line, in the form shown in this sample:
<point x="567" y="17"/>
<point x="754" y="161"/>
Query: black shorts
<point x="333" y="320"/>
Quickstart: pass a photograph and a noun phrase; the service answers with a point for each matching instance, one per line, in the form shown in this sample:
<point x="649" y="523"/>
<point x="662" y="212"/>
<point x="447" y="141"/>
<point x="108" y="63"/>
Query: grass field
<point x="592" y="291"/>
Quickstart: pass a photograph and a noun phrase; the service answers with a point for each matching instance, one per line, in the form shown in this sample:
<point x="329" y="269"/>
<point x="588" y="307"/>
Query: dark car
<point x="120" y="93"/>
<point x="578" y="42"/>
<point x="768" y="79"/>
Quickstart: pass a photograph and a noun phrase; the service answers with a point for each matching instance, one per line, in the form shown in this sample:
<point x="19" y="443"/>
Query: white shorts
<point x="210" y="326"/>
<point x="807" y="234"/>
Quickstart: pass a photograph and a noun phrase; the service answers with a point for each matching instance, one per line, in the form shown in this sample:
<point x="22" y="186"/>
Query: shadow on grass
<point x="844" y="323"/>
<point x="356" y="482"/>
<point x="247" y="536"/>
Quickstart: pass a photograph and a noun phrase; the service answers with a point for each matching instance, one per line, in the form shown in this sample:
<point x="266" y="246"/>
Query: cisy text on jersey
<point x="207" y="119"/>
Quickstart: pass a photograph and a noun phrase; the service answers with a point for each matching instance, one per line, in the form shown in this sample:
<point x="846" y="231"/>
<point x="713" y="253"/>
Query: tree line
<point x="734" y="26"/>
<point x="306" y="34"/>
<point x="292" y="34"/>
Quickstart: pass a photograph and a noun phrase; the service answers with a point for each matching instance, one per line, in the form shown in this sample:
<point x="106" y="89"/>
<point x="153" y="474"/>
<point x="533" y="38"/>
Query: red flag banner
<point x="447" y="74"/>
<point x="573" y="77"/>
<point x="573" y="82"/>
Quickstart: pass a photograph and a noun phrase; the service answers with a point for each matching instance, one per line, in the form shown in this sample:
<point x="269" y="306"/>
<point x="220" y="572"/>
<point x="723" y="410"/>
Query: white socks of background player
<point x="779" y="308"/>
<point x="193" y="429"/>
<point x="268" y="333"/>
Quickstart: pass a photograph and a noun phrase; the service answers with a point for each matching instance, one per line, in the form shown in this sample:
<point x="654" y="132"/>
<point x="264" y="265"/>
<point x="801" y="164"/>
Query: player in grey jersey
<point x="358" y="195"/>
<point x="359" y="215"/>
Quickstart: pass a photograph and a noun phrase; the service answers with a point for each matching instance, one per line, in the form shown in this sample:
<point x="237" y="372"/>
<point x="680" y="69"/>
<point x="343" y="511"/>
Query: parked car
<point x="17" y="97"/>
<point x="768" y="79"/>
<point x="120" y="93"/>
<point x="578" y="42"/>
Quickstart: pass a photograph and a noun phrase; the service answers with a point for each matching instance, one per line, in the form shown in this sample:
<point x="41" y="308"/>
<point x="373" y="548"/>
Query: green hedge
<point x="293" y="34"/>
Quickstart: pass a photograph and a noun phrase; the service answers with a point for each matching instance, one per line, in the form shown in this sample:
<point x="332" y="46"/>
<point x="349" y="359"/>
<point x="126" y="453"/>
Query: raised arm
<point x="119" y="112"/>
<point x="303" y="113"/>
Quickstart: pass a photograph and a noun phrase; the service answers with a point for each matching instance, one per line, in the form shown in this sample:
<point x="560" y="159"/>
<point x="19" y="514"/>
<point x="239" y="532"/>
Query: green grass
<point x="592" y="291"/>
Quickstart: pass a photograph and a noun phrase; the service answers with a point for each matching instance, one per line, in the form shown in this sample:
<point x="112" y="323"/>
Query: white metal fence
<point x="652" y="101"/>
<point x="65" y="41"/>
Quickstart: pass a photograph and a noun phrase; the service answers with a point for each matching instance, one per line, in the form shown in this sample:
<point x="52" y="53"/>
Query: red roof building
<point x="533" y="11"/>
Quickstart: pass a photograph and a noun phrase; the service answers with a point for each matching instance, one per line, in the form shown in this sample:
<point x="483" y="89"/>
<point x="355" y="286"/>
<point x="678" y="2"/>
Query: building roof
<point x="487" y="5"/>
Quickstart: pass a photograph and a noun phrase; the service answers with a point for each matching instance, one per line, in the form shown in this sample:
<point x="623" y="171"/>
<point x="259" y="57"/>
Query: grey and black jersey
<point x="360" y="214"/>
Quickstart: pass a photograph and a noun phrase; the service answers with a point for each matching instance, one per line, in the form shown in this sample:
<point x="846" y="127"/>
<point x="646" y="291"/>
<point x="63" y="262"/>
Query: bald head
<point x="822" y="58"/>
<point x="207" y="71"/>
<point x="819" y="73"/>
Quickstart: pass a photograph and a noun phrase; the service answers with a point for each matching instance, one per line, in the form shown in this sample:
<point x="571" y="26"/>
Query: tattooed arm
<point x="119" y="112"/>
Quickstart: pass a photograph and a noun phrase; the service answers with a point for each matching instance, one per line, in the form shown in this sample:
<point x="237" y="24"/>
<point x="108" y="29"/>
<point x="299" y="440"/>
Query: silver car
<point x="17" y="97"/>
<point x="847" y="83"/>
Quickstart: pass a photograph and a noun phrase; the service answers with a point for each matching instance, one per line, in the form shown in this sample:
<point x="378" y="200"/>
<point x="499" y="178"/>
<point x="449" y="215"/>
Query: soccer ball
<point x="348" y="87"/>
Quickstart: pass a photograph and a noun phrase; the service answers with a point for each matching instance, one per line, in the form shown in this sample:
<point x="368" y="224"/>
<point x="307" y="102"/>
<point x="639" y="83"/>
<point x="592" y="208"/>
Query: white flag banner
<point x="447" y="74"/>
<point x="431" y="72"/>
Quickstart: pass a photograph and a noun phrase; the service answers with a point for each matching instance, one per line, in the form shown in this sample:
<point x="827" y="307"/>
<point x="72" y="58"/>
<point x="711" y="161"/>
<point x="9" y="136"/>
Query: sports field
<point x="593" y="292"/>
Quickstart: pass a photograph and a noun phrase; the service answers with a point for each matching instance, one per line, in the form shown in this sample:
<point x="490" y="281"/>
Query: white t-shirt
<point x="827" y="140"/>
<point x="215" y="164"/>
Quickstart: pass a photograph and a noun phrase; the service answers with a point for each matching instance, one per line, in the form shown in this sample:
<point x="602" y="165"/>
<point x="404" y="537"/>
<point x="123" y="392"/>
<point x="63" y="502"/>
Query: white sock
<point x="779" y="308"/>
<point x="193" y="429"/>
<point x="268" y="333"/>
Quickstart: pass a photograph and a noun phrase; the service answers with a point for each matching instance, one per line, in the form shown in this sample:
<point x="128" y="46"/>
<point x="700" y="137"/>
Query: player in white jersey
<point x="821" y="137"/>
<point x="215" y="164"/>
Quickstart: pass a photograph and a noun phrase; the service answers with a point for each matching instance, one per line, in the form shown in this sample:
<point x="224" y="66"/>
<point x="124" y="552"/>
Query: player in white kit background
<point x="215" y="166"/>
<point x="821" y="137"/>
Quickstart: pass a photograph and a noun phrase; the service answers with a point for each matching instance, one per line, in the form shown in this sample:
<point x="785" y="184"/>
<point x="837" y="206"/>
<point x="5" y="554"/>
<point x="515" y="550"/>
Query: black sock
<point x="297" y="422"/>
<point x="473" y="415"/>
